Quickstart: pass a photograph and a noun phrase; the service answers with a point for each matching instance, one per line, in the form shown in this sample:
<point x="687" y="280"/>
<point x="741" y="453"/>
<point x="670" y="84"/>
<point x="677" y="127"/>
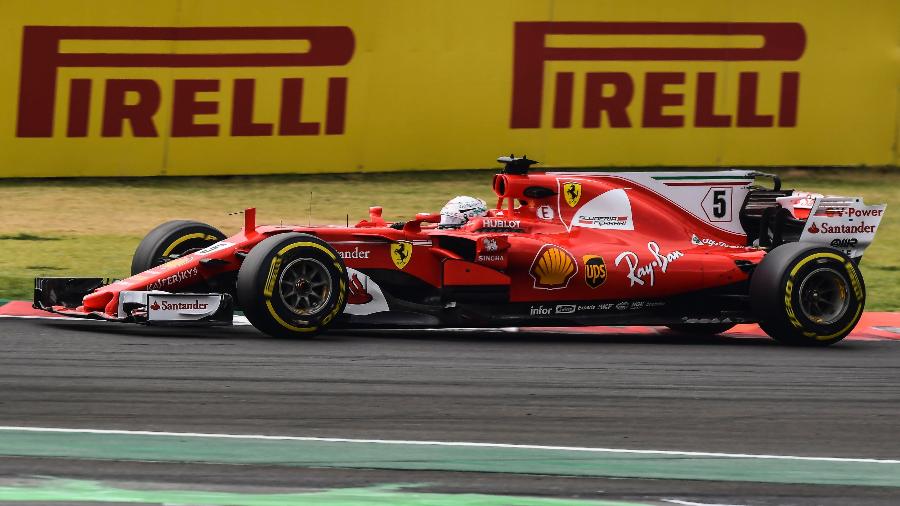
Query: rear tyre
<point x="807" y="295"/>
<point x="702" y="329"/>
<point x="170" y="240"/>
<point x="292" y="285"/>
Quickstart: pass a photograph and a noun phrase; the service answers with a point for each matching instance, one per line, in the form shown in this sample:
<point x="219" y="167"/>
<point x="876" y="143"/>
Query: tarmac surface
<point x="656" y="392"/>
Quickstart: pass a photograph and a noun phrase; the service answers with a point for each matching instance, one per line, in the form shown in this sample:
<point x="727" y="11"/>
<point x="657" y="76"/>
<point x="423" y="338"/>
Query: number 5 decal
<point x="717" y="204"/>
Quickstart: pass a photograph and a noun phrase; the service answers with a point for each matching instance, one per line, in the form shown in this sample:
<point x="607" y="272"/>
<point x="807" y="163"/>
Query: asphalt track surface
<point x="652" y="392"/>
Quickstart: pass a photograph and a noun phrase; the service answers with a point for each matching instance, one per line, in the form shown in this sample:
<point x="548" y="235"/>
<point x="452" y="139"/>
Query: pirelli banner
<point x="117" y="87"/>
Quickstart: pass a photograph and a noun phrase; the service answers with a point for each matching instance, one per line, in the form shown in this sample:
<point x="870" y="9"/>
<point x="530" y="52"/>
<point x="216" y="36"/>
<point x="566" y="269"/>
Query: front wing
<point x="63" y="296"/>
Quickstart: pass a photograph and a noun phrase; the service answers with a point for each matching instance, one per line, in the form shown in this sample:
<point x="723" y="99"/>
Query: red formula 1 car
<point x="694" y="251"/>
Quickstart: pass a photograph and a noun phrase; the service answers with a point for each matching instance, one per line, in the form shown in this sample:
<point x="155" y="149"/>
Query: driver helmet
<point x="458" y="211"/>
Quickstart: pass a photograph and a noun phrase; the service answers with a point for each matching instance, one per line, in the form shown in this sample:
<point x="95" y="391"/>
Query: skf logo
<point x="610" y="93"/>
<point x="594" y="270"/>
<point x="552" y="268"/>
<point x="401" y="253"/>
<point x="137" y="101"/>
<point x="572" y="193"/>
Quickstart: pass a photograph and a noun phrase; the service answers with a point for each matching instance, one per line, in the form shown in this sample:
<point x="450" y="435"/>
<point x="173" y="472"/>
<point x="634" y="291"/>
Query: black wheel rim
<point x="824" y="296"/>
<point x="305" y="286"/>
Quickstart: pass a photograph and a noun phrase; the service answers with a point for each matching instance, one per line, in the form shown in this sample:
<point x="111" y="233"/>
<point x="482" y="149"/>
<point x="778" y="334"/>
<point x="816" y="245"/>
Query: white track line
<point x="460" y="444"/>
<point x="689" y="503"/>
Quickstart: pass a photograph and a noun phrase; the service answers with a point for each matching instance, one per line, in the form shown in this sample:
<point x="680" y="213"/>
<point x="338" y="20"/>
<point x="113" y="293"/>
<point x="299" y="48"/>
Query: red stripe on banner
<point x="23" y="308"/>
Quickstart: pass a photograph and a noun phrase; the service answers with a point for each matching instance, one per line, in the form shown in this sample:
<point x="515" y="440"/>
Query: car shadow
<point x="661" y="336"/>
<point x="129" y="329"/>
<point x="576" y="335"/>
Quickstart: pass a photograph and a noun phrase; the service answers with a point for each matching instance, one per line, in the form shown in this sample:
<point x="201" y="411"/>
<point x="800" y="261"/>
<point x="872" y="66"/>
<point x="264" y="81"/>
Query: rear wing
<point x="773" y="217"/>
<point x="844" y="223"/>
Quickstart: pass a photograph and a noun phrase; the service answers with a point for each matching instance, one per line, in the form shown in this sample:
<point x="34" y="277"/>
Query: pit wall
<point x="136" y="88"/>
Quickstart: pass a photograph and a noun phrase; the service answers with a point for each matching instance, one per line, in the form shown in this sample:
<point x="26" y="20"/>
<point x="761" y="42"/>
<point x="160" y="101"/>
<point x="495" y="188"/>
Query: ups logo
<point x="594" y="270"/>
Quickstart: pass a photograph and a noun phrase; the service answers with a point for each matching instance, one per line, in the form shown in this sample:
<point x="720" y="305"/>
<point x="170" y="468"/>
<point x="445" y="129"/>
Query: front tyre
<point x="807" y="295"/>
<point x="292" y="285"/>
<point x="170" y="240"/>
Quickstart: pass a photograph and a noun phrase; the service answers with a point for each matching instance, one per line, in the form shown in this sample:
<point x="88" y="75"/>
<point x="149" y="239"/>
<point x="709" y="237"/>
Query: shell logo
<point x="553" y="267"/>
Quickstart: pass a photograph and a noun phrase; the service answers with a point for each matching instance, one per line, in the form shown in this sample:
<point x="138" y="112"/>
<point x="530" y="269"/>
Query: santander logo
<point x="813" y="229"/>
<point x="165" y="305"/>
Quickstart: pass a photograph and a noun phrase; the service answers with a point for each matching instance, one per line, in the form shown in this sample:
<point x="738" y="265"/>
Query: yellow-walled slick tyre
<point x="292" y="285"/>
<point x="172" y="239"/>
<point x="807" y="295"/>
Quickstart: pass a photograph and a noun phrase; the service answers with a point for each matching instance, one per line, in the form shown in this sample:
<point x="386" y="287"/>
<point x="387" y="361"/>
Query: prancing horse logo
<point x="572" y="192"/>
<point x="401" y="253"/>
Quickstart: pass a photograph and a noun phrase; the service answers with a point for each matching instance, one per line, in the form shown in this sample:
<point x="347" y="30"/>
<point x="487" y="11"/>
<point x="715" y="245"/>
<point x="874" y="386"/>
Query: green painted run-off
<point x="71" y="491"/>
<point x="405" y="456"/>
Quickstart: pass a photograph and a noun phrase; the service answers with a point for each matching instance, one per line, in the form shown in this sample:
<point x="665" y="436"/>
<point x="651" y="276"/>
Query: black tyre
<point x="807" y="295"/>
<point x="170" y="240"/>
<point x="292" y="285"/>
<point x="701" y="329"/>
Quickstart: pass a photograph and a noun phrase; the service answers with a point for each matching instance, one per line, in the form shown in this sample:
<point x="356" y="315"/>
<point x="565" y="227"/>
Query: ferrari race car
<point x="695" y="251"/>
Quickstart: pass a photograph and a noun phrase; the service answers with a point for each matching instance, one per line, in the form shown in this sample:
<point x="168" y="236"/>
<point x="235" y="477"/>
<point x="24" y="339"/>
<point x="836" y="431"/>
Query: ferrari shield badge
<point x="401" y="253"/>
<point x="572" y="192"/>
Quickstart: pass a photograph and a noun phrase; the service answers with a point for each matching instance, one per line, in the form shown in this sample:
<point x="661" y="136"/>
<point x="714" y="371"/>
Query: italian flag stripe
<point x="686" y="178"/>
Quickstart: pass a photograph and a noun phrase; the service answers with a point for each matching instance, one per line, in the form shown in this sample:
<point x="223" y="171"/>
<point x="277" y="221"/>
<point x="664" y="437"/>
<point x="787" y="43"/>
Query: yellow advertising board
<point x="115" y="87"/>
